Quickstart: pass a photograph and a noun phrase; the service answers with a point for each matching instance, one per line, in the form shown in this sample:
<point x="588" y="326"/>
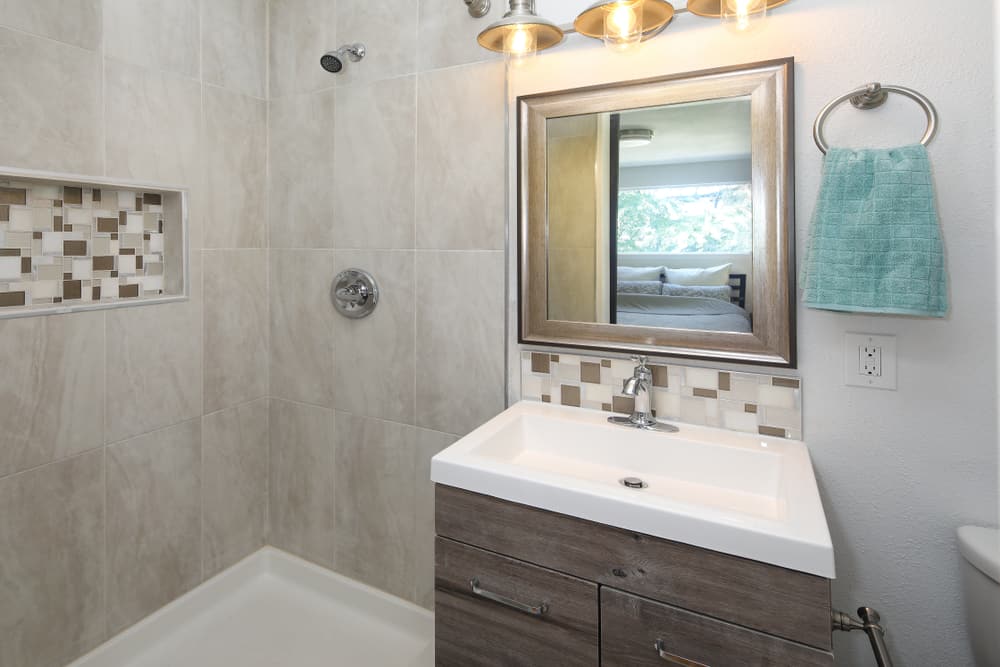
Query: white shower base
<point x="275" y="610"/>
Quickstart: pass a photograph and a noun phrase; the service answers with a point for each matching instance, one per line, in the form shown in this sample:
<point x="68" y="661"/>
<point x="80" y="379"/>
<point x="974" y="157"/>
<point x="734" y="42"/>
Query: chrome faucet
<point x="640" y="388"/>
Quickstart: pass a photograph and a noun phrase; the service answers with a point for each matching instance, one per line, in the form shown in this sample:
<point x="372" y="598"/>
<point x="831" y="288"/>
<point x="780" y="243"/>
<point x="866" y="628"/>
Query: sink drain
<point x="633" y="483"/>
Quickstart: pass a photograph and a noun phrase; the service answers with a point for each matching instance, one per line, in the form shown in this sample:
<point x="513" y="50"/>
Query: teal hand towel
<point x="875" y="242"/>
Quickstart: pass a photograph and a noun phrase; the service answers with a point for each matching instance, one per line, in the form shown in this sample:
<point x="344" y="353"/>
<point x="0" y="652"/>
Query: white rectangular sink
<point x="741" y="494"/>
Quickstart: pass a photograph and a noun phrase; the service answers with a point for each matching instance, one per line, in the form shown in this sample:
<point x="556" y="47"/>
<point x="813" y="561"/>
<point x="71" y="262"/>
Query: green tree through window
<point x="689" y="219"/>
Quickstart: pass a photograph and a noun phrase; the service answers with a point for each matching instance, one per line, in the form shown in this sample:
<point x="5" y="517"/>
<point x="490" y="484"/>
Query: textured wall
<point x="395" y="166"/>
<point x="133" y="443"/>
<point x="899" y="471"/>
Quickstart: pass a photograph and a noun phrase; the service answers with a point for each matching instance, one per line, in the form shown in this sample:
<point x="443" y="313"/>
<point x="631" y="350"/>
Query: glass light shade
<point x="520" y="33"/>
<point x="743" y="15"/>
<point x="624" y="23"/>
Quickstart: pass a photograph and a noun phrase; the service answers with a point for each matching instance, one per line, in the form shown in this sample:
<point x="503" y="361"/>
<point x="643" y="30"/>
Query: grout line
<point x="359" y="415"/>
<point x="105" y="559"/>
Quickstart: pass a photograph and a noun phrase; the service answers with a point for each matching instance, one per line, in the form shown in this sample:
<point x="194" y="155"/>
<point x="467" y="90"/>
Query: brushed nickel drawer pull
<point x="675" y="659"/>
<point x="508" y="602"/>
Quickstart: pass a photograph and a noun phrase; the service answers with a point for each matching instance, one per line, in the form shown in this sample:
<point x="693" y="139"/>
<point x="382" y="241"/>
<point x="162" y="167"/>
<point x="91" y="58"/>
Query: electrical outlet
<point x="870" y="361"/>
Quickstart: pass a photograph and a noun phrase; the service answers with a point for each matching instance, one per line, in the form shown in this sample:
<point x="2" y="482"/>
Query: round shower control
<point x="354" y="293"/>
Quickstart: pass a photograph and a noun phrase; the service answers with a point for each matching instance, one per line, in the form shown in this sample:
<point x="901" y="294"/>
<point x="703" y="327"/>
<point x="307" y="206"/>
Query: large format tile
<point x="301" y="171"/>
<point x="52" y="395"/>
<point x="374" y="357"/>
<point x="154" y="521"/>
<point x="236" y="327"/>
<point x="234" y="45"/>
<point x="153" y="125"/>
<point x="234" y="478"/>
<point x="77" y="23"/>
<point x="383" y="515"/>
<point x="460" y="339"/>
<point x="302" y="326"/>
<point x="460" y="158"/>
<point x="302" y="480"/>
<point x="154" y="364"/>
<point x="51" y="562"/>
<point x="374" y="147"/>
<point x="160" y="34"/>
<point x="387" y="29"/>
<point x="37" y="78"/>
<point x="301" y="31"/>
<point x="235" y="159"/>
<point x="381" y="504"/>
<point x="448" y="37"/>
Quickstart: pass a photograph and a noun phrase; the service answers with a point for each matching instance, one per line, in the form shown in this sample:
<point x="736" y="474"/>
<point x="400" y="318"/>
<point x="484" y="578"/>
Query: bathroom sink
<point x="741" y="494"/>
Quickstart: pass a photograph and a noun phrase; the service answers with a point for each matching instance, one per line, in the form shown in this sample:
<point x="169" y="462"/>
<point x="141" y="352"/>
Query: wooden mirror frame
<point x="772" y="340"/>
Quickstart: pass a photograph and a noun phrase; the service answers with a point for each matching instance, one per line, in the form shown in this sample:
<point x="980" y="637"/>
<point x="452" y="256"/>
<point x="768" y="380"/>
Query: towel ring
<point x="873" y="96"/>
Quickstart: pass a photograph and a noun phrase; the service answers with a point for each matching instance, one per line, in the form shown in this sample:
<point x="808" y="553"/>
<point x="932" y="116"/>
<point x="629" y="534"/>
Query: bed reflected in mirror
<point x="650" y="215"/>
<point x="655" y="216"/>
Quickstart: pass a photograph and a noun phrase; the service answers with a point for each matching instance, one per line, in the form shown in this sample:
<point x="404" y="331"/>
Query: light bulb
<point x="519" y="43"/>
<point x="743" y="15"/>
<point x="623" y="24"/>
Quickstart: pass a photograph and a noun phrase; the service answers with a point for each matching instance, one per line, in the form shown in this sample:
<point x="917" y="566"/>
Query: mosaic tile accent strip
<point x="747" y="402"/>
<point x="64" y="245"/>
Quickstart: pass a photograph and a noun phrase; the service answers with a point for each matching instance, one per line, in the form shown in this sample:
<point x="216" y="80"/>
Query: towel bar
<point x="873" y="96"/>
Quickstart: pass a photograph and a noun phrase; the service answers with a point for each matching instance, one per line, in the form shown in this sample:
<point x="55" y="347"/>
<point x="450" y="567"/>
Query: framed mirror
<point x="656" y="216"/>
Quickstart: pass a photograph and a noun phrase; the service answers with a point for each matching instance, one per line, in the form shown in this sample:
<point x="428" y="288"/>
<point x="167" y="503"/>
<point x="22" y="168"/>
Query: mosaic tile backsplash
<point x="748" y="402"/>
<point x="66" y="245"/>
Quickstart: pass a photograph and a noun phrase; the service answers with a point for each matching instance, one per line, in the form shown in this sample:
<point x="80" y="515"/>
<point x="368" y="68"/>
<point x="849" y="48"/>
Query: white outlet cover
<point x="854" y="377"/>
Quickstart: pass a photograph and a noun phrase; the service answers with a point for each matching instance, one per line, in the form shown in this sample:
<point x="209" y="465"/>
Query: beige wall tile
<point x="302" y="326"/>
<point x="235" y="163"/>
<point x="234" y="45"/>
<point x="301" y="31"/>
<point x="40" y="75"/>
<point x="234" y="478"/>
<point x="154" y="364"/>
<point x="426" y="445"/>
<point x="373" y="200"/>
<point x="460" y="338"/>
<point x="300" y="201"/>
<point x="77" y="23"/>
<point x="154" y="521"/>
<point x="387" y="29"/>
<point x="51" y="562"/>
<point x="153" y="124"/>
<point x="160" y="34"/>
<point x="236" y="327"/>
<point x="448" y="37"/>
<point x="460" y="158"/>
<point x="52" y="395"/>
<point x="302" y="480"/>
<point x="383" y="505"/>
<point x="373" y="357"/>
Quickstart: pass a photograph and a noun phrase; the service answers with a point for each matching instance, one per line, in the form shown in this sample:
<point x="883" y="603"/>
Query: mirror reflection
<point x="650" y="217"/>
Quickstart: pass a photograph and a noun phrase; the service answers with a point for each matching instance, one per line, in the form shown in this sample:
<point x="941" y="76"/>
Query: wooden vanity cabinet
<point x="516" y="585"/>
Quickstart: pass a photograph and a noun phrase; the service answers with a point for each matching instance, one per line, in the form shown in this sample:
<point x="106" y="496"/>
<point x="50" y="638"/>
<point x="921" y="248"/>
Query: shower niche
<point x="69" y="243"/>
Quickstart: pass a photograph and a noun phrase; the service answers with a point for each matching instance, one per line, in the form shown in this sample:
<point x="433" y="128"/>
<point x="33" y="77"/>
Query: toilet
<point x="980" y="549"/>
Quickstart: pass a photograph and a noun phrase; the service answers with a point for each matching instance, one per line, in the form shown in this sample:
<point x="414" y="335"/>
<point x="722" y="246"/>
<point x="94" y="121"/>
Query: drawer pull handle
<point x="540" y="610"/>
<point x="675" y="659"/>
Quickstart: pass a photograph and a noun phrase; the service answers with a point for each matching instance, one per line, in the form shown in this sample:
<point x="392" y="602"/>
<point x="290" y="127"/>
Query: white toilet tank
<point x="981" y="586"/>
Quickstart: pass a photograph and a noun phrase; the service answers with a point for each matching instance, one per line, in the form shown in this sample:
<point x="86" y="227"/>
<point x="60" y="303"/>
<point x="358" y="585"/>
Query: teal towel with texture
<point x="875" y="242"/>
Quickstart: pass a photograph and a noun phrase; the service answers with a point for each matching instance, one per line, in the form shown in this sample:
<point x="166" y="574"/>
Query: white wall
<point x="898" y="470"/>
<point x="692" y="173"/>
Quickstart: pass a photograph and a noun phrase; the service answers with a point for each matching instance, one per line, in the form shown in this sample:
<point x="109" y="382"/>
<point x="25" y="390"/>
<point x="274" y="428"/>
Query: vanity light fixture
<point x="620" y="24"/>
<point x="624" y="23"/>
<point x="635" y="137"/>
<point x="739" y="15"/>
<point x="520" y="32"/>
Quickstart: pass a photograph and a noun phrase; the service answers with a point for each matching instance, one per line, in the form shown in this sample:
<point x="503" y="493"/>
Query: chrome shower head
<point x="333" y="61"/>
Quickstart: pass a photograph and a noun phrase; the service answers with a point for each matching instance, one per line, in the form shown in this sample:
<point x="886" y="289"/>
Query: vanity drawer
<point x="637" y="632"/>
<point x="771" y="599"/>
<point x="556" y="624"/>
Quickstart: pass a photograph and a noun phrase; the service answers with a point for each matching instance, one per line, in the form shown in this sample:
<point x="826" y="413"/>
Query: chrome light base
<point x="478" y="8"/>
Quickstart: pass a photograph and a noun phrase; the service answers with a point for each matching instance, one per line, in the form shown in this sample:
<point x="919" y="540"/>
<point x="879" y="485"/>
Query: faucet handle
<point x="640" y="359"/>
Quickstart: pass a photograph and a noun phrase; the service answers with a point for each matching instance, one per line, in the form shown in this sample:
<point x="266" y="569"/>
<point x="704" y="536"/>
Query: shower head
<point x="333" y="61"/>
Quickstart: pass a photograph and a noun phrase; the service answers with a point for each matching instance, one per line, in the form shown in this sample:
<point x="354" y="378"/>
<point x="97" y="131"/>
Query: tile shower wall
<point x="748" y="402"/>
<point x="394" y="166"/>
<point x="133" y="442"/>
